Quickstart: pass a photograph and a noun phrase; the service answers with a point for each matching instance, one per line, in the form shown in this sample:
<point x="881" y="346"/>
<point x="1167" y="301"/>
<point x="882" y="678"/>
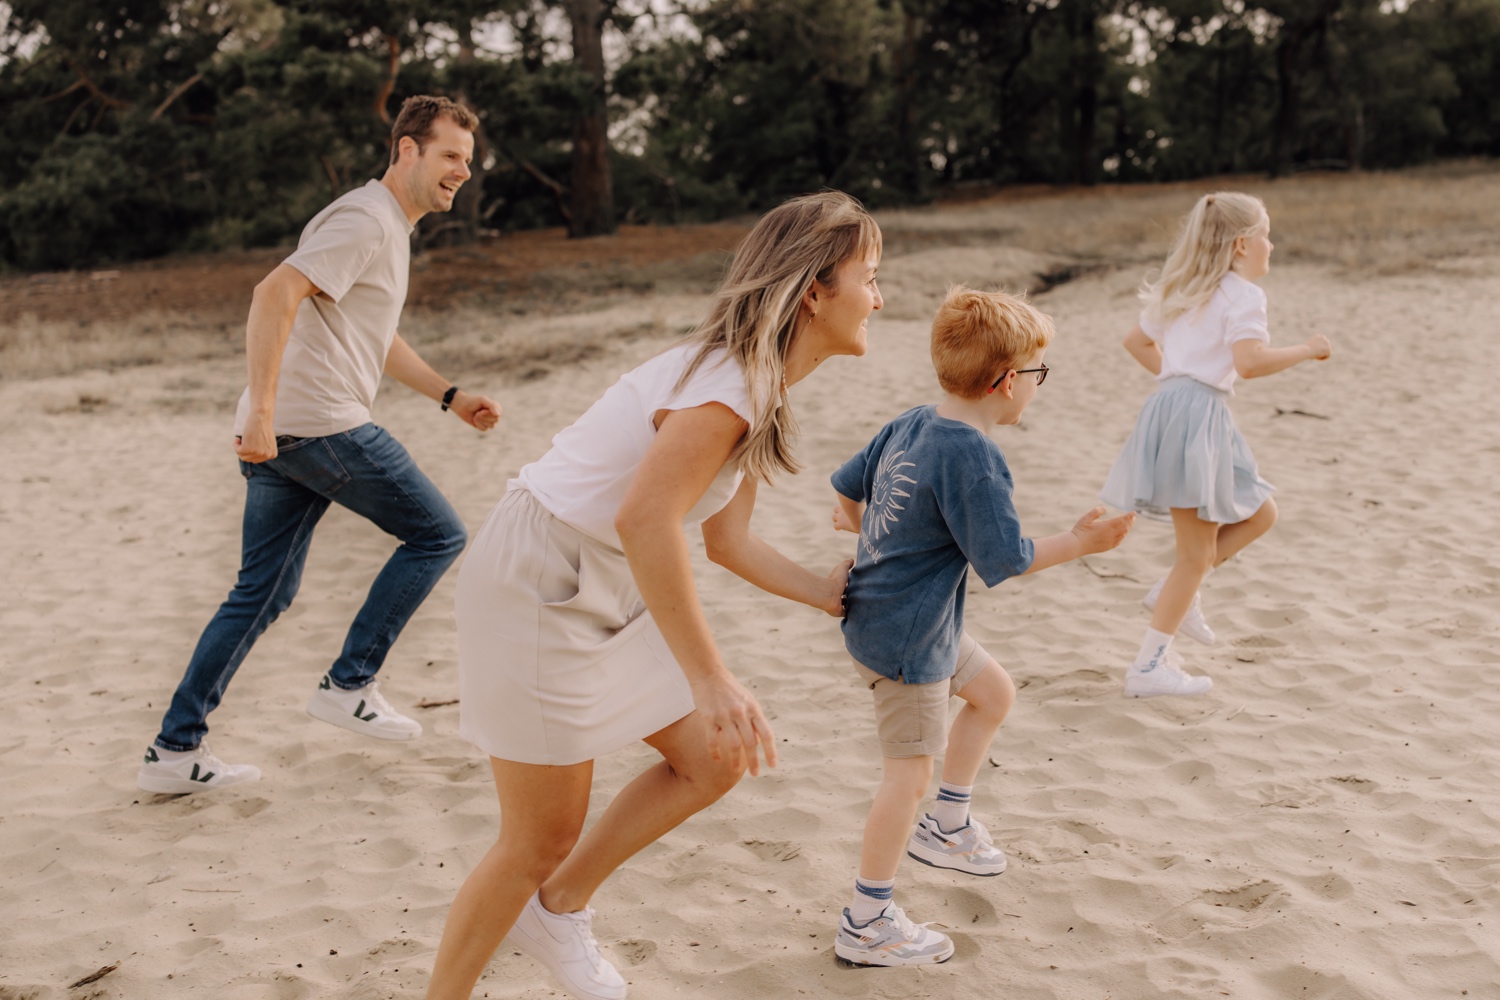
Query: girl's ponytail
<point x="1202" y="255"/>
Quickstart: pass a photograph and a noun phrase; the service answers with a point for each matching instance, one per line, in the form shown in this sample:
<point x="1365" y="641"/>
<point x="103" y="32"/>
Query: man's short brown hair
<point x="417" y="116"/>
<point x="976" y="336"/>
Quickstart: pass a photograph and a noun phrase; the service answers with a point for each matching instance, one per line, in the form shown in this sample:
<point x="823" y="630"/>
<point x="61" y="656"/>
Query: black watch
<point x="448" y="397"/>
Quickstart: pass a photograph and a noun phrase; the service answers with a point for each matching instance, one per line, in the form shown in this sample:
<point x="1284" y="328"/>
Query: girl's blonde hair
<point x="1203" y="254"/>
<point x="755" y="310"/>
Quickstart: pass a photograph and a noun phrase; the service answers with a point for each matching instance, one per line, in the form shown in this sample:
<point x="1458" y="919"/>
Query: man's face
<point x="440" y="169"/>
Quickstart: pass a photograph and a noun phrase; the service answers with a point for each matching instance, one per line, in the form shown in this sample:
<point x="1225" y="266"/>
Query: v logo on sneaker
<point x="358" y="712"/>
<point x="207" y="775"/>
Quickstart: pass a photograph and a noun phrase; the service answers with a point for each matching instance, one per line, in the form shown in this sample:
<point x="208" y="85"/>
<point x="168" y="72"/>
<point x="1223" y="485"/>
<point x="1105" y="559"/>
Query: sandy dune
<point x="1324" y="825"/>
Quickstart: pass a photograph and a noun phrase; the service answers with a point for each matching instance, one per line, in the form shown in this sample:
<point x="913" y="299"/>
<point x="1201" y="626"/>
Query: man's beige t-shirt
<point x="357" y="251"/>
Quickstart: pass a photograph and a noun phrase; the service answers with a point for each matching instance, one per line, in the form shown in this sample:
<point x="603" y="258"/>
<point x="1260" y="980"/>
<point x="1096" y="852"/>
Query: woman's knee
<point x="535" y="855"/>
<point x="712" y="779"/>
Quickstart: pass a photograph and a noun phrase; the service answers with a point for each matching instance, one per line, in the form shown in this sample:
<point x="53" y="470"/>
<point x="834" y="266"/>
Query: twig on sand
<point x="1300" y="413"/>
<point x="94" y="976"/>
<point x="213" y="890"/>
<point x="425" y="703"/>
<point x="1104" y="576"/>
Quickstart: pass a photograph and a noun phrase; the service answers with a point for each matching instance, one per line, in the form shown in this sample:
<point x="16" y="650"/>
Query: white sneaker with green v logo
<point x="364" y="711"/>
<point x="171" y="772"/>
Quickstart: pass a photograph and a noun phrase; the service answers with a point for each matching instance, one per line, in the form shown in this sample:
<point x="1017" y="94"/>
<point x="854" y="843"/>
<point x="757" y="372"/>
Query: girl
<point x="1203" y="323"/>
<point x="579" y="626"/>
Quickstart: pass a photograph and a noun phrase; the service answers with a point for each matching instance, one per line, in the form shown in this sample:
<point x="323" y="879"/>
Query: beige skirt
<point x="559" y="662"/>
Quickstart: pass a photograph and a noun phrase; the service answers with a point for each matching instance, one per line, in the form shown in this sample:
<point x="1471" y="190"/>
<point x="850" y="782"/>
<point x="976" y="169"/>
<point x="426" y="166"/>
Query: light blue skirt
<point x="1186" y="451"/>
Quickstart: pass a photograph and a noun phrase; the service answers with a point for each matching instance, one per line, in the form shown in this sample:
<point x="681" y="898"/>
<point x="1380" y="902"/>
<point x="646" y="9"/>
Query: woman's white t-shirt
<point x="584" y="476"/>
<point x="1200" y="343"/>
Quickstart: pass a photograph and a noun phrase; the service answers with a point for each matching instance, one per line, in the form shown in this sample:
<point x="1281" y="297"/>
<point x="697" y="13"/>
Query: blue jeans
<point x="370" y="473"/>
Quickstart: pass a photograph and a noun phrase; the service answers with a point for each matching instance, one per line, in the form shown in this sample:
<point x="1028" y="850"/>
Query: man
<point x="321" y="331"/>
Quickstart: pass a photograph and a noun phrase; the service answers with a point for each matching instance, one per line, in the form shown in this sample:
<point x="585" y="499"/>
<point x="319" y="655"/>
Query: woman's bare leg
<point x="686" y="781"/>
<point x="542" y="810"/>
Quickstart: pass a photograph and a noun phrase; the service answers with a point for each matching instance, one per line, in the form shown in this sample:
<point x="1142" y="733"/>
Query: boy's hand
<point x="838" y="578"/>
<point x="1101" y="536"/>
<point x="841" y="520"/>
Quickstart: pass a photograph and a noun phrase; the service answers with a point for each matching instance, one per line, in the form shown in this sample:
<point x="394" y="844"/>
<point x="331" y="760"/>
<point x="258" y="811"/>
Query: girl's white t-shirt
<point x="583" y="478"/>
<point x="1200" y="343"/>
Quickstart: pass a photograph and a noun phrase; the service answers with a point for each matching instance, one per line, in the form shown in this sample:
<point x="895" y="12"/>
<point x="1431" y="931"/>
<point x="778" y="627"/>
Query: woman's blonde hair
<point x="1203" y="254"/>
<point x="976" y="336"/>
<point x="754" y="312"/>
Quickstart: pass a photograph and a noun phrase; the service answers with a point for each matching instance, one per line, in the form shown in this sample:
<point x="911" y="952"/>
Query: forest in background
<point x="132" y="128"/>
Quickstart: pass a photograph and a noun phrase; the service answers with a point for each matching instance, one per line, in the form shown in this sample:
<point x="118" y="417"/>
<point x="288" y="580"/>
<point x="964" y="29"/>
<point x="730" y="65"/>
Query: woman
<point x="579" y="625"/>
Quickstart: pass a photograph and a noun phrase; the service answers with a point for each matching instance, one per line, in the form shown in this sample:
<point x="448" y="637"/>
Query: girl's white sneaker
<point x="1166" y="678"/>
<point x="1194" y="626"/>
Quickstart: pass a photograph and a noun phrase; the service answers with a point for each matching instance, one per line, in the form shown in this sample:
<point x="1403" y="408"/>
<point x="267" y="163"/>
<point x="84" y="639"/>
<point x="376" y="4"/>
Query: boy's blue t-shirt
<point x="938" y="500"/>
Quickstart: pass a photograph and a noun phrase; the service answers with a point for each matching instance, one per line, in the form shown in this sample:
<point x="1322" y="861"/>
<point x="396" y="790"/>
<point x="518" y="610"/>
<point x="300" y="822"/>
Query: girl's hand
<point x="1320" y="347"/>
<point x="838" y="579"/>
<point x="736" y="724"/>
<point x="841" y="520"/>
<point x="1101" y="536"/>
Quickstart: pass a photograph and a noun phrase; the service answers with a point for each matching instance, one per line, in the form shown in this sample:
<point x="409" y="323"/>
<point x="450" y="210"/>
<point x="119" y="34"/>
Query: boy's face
<point x="1023" y="385"/>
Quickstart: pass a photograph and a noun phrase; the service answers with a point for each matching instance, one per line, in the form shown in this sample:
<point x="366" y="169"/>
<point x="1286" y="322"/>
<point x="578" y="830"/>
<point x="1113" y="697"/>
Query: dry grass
<point x="593" y="293"/>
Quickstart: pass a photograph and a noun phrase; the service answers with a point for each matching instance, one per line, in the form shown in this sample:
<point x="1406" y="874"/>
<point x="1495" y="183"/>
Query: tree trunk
<point x="592" y="196"/>
<point x="1289" y="81"/>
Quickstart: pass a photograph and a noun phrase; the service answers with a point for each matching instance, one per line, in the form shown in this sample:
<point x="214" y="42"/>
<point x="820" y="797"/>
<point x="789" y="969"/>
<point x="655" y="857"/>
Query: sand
<point x="1323" y="825"/>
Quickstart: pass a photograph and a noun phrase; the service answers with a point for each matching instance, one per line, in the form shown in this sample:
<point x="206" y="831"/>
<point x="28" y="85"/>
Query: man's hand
<point x="479" y="412"/>
<point x="257" y="443"/>
<point x="1101" y="536"/>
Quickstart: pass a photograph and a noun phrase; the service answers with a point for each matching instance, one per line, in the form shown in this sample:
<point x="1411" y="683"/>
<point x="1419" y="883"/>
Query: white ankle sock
<point x="951" y="810"/>
<point x="1153" y="651"/>
<point x="870" y="897"/>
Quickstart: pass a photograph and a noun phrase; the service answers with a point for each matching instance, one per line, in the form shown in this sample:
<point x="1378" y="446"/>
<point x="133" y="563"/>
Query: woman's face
<point x="841" y="312"/>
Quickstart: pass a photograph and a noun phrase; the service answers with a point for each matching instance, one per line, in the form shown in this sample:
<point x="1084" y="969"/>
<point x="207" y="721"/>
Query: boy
<point x="931" y="495"/>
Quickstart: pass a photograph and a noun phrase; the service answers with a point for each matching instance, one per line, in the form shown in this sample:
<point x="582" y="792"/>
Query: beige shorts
<point x="912" y="719"/>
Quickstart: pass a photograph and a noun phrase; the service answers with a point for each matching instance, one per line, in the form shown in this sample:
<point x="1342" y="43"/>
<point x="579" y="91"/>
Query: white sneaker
<point x="1194" y="626"/>
<point x="172" y="773"/>
<point x="364" y="711"/>
<point x="968" y="849"/>
<point x="889" y="940"/>
<point x="1166" y="677"/>
<point x="565" y="944"/>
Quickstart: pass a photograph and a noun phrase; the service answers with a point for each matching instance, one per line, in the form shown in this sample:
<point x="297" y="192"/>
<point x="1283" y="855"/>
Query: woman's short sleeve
<point x="718" y="380"/>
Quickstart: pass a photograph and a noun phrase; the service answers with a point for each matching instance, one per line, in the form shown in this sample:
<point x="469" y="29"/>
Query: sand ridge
<point x="1321" y="826"/>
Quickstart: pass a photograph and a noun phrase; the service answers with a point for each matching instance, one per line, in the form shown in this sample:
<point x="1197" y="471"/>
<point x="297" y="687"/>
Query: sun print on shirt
<point x="888" y="496"/>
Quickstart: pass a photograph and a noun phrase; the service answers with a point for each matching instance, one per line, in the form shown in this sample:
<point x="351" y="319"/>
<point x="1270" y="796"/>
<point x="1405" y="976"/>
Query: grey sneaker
<point x="1165" y="678"/>
<point x="968" y="849"/>
<point x="565" y="944"/>
<point x="364" y="711"/>
<point x="890" y="939"/>
<point x="1194" y="626"/>
<point x="169" y="773"/>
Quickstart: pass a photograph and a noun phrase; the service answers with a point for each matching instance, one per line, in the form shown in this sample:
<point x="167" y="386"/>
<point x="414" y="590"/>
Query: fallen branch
<point x="94" y="976"/>
<point x="1300" y="413"/>
<point x="1104" y="576"/>
<point x="424" y="703"/>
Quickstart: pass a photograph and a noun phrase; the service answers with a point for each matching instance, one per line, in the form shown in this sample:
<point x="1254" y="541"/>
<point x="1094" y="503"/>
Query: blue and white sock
<point x="952" y="808"/>
<point x="870" y="899"/>
<point x="1153" y="652"/>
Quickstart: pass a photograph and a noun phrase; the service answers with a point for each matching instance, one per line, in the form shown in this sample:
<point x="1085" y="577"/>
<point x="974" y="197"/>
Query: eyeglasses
<point x="1040" y="378"/>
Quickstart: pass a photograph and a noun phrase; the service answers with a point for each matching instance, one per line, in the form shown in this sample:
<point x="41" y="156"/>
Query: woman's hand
<point x="838" y="580"/>
<point x="736" y="724"/>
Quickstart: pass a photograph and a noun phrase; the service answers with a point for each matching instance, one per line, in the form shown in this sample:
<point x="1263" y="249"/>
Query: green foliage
<point x="145" y="126"/>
